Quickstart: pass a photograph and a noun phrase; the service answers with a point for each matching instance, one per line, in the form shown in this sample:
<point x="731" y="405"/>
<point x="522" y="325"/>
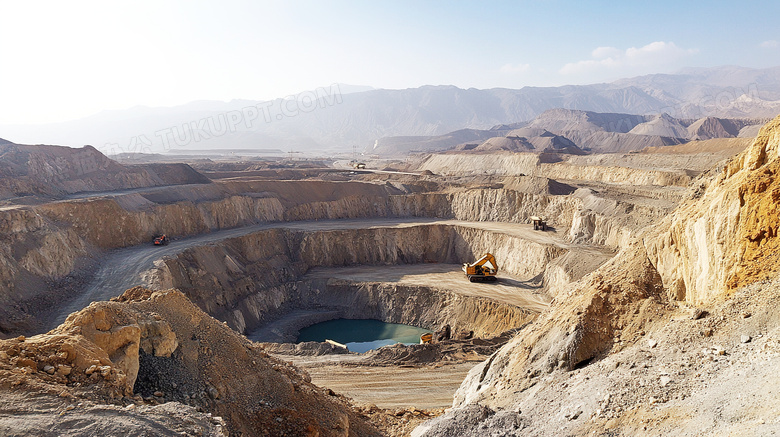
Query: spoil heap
<point x="108" y="366"/>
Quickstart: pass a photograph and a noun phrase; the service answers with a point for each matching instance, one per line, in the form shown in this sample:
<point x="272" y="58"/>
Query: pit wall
<point x="33" y="253"/>
<point x="32" y="243"/>
<point x="103" y="223"/>
<point x="132" y="219"/>
<point x="609" y="222"/>
<point x="44" y="243"/>
<point x="246" y="281"/>
<point x="53" y="236"/>
<point x="425" y="307"/>
<point x="530" y="165"/>
<point x="498" y="205"/>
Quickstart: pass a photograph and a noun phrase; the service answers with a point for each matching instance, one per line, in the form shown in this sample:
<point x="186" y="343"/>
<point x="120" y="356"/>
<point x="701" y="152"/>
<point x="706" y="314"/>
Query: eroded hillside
<point x="161" y="348"/>
<point x="56" y="171"/>
<point x="633" y="310"/>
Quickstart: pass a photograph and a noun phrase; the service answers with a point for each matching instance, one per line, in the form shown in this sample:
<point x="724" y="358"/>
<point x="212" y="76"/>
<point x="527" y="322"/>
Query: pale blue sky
<point x="63" y="60"/>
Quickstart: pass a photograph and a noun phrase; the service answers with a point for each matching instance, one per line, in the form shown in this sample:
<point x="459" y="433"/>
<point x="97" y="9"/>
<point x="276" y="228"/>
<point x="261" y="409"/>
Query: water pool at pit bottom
<point x="362" y="335"/>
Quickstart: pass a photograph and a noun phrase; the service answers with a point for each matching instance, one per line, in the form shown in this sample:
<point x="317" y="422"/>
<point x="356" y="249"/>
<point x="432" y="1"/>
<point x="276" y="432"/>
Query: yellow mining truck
<point x="483" y="269"/>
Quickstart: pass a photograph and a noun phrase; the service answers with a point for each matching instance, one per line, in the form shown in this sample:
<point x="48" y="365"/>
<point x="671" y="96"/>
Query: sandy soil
<point x="389" y="387"/>
<point x="710" y="373"/>
<point x="521" y="292"/>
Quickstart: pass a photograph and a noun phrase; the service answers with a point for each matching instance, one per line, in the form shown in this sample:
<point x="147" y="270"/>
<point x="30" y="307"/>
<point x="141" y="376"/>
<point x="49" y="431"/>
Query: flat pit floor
<point x="507" y="289"/>
<point x="386" y="386"/>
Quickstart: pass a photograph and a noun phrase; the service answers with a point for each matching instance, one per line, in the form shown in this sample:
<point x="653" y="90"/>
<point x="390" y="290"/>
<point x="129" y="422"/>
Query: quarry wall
<point x="251" y="280"/>
<point x="572" y="168"/>
<point x="46" y="243"/>
<point x="426" y="307"/>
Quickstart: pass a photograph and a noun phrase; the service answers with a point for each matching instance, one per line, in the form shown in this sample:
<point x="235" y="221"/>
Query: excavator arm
<point x="483" y="269"/>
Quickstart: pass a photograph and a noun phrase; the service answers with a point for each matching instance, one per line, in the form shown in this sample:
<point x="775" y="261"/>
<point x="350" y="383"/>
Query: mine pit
<point x="396" y="273"/>
<point x="277" y="263"/>
<point x="484" y="262"/>
<point x="386" y="252"/>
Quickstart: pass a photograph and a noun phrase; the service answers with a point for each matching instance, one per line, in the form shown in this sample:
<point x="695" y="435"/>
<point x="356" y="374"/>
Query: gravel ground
<point x="703" y="372"/>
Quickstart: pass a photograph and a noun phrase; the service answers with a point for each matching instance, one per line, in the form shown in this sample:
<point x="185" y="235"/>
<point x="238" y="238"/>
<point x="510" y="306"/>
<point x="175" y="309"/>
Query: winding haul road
<point x="121" y="269"/>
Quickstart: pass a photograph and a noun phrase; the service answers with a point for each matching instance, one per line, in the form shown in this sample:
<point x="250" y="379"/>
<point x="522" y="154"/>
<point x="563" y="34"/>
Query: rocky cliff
<point x="727" y="238"/>
<point x="251" y="280"/>
<point x="723" y="238"/>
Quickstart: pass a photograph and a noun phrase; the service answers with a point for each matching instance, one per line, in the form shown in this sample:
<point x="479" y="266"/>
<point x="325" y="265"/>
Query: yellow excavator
<point x="483" y="269"/>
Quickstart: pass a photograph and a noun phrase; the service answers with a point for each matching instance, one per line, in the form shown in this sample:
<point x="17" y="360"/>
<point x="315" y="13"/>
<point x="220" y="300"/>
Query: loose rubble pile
<point x="149" y="348"/>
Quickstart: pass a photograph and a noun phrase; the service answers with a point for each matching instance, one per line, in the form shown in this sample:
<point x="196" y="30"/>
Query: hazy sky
<point x="67" y="59"/>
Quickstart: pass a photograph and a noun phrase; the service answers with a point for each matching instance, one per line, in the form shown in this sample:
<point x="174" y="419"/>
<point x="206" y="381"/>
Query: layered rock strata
<point x="722" y="238"/>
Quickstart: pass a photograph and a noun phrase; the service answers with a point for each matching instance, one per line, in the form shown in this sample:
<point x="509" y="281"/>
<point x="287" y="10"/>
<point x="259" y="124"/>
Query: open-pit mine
<point x="644" y="303"/>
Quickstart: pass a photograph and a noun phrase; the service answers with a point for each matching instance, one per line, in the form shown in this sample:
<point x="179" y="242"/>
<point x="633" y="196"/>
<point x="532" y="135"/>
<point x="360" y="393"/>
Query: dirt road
<point x="121" y="269"/>
<point x="389" y="387"/>
<point x="520" y="292"/>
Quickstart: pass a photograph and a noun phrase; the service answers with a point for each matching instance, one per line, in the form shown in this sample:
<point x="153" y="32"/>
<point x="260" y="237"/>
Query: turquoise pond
<point x="362" y="335"/>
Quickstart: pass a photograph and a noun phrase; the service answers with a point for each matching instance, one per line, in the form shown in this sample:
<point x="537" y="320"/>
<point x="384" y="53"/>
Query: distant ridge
<point x="57" y="171"/>
<point x="342" y="120"/>
<point x="574" y="131"/>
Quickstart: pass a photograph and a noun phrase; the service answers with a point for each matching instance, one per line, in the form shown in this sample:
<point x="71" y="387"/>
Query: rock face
<point x="34" y="251"/>
<point x="56" y="171"/>
<point x="249" y="280"/>
<point x="121" y="336"/>
<point x="720" y="239"/>
<point x="46" y="246"/>
<point x="102" y="339"/>
<point x="727" y="238"/>
<point x="159" y="345"/>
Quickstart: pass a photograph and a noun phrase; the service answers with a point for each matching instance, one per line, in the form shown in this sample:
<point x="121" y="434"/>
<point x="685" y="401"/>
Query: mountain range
<point x="331" y="120"/>
<point x="575" y="132"/>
